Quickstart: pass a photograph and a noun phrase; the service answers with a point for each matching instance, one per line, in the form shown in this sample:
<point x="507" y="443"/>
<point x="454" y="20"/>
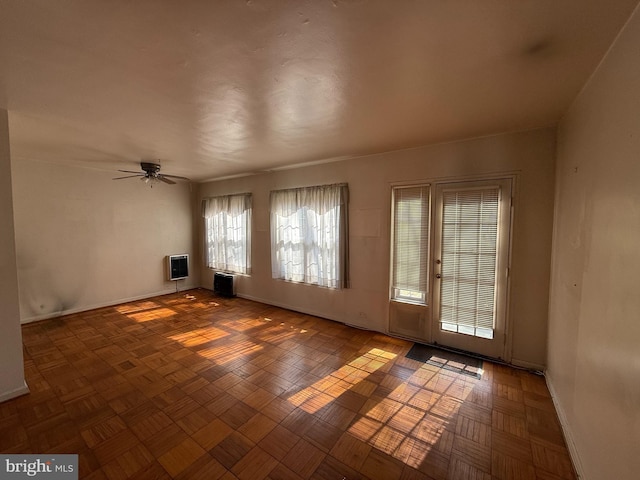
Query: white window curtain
<point x="309" y="236"/>
<point x="228" y="233"/>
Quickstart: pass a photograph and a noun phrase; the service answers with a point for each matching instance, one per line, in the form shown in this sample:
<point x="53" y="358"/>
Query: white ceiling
<point x="214" y="89"/>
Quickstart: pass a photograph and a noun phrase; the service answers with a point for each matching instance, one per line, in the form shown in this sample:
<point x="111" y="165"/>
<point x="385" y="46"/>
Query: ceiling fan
<point x="151" y="174"/>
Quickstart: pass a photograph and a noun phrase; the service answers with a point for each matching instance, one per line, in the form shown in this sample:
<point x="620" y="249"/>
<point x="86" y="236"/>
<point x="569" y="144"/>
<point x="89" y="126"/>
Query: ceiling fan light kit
<point x="151" y="174"/>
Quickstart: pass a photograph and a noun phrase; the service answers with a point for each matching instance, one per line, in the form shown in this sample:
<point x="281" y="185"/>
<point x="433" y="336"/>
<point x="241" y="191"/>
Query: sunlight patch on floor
<point x="228" y="353"/>
<point x="154" y="314"/>
<point x="136" y="307"/>
<point x="411" y="420"/>
<point x="208" y="334"/>
<point x="347" y="377"/>
<point x="190" y="339"/>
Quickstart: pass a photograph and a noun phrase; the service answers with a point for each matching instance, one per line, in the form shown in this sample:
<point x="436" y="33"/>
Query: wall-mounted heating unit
<point x="177" y="267"/>
<point x="224" y="284"/>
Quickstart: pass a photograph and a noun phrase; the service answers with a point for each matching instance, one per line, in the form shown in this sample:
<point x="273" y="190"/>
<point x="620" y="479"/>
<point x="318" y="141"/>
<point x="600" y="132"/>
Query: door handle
<point x="438" y="275"/>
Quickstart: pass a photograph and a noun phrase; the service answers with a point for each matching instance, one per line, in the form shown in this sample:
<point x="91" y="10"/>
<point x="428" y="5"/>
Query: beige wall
<point x="530" y="155"/>
<point x="85" y="241"/>
<point x="594" y="334"/>
<point x="11" y="367"/>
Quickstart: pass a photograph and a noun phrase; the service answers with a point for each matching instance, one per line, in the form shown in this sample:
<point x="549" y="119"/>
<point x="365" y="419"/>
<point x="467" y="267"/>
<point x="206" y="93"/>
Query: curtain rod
<point x="228" y="195"/>
<point x="344" y="184"/>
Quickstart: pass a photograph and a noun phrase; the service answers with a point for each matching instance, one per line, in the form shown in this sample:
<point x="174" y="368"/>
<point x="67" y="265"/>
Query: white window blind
<point x="469" y="253"/>
<point x="309" y="236"/>
<point x="411" y="209"/>
<point x="228" y="233"/>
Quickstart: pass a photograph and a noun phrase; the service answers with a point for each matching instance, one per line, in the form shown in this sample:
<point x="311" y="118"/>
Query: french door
<point x="470" y="263"/>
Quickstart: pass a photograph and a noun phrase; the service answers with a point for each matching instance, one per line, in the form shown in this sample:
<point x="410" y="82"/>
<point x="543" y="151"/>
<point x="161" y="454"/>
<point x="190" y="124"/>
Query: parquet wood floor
<point x="193" y="386"/>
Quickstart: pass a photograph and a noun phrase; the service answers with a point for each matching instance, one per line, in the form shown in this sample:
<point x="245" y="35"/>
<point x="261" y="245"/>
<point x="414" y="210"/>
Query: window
<point x="228" y="233"/>
<point x="411" y="207"/>
<point x="470" y="233"/>
<point x="309" y="237"/>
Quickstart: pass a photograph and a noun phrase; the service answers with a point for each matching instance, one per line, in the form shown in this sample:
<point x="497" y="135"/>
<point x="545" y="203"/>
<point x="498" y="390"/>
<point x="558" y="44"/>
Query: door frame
<point x="426" y="311"/>
<point x="500" y="344"/>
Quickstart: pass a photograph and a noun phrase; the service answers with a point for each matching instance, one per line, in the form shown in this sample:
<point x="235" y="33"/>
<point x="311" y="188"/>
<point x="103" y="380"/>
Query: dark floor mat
<point x="445" y="359"/>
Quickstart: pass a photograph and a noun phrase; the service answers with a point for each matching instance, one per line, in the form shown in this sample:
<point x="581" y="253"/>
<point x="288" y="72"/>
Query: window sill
<point x="408" y="302"/>
<point x="228" y="272"/>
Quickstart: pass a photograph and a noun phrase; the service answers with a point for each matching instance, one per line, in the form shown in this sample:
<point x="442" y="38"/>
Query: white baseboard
<point x="291" y="307"/>
<point x="528" y="365"/>
<point x="515" y="362"/>
<point x="16" y="392"/>
<point x="84" y="308"/>
<point x="566" y="430"/>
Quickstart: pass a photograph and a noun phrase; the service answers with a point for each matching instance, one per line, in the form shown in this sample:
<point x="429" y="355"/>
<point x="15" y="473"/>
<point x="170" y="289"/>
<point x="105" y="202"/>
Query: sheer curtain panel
<point x="309" y="236"/>
<point x="228" y="233"/>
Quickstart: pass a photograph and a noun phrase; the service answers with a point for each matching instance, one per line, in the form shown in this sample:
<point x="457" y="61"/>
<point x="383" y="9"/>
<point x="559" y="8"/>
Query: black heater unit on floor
<point x="224" y="284"/>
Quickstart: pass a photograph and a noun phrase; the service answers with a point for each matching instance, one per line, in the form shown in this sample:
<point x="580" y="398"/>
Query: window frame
<point x="420" y="294"/>
<point x="301" y="221"/>
<point x="228" y="207"/>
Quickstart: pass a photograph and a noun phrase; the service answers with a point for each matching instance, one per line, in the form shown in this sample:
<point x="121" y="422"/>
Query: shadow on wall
<point x="42" y="293"/>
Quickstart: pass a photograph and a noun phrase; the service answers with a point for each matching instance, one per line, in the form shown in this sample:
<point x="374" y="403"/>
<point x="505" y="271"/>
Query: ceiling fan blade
<point x="165" y="180"/>
<point x="129" y="171"/>
<point x="175" y="176"/>
<point x="129" y="176"/>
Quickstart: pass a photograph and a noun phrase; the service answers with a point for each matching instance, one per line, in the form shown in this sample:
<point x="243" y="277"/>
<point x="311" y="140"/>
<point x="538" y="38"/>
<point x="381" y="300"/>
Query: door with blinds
<point x="470" y="265"/>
